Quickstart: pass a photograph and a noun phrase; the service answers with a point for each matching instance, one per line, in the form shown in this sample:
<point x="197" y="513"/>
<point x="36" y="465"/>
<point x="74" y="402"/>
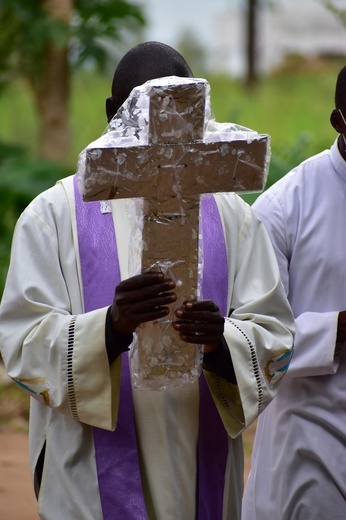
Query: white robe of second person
<point x="299" y="456"/>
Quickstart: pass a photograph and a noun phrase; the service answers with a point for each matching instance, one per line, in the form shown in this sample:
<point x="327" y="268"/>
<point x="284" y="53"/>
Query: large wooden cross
<point x="170" y="173"/>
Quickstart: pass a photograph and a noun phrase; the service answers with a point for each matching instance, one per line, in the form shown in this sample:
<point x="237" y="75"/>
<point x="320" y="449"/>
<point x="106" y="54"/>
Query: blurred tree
<point x="41" y="40"/>
<point x="334" y="7"/>
<point x="252" y="16"/>
<point x="251" y="39"/>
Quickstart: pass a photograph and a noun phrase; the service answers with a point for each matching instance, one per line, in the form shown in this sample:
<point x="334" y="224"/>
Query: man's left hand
<point x="200" y="322"/>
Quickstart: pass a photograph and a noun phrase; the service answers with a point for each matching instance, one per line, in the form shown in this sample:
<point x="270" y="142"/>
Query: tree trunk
<point x="53" y="95"/>
<point x="251" y="34"/>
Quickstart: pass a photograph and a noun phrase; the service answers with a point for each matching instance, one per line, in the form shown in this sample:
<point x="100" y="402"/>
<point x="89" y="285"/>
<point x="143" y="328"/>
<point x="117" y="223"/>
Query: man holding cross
<point x="100" y="448"/>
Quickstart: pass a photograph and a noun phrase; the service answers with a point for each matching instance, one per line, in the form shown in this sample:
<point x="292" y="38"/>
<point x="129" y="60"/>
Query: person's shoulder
<point x="314" y="165"/>
<point x="293" y="182"/>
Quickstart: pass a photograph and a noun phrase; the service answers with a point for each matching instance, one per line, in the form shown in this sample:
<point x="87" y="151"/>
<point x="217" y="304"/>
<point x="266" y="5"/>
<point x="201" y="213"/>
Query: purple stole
<point x="118" y="475"/>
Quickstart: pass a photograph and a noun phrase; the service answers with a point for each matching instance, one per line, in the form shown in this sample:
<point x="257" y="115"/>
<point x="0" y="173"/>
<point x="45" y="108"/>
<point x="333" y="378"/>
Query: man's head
<point x="338" y="115"/>
<point x="146" y="61"/>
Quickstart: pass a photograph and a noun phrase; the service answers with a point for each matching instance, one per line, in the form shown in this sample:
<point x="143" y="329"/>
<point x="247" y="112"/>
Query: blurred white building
<point x="304" y="27"/>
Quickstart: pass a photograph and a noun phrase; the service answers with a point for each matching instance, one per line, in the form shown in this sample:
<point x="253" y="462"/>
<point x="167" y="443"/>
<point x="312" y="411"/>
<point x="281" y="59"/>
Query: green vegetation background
<point x="294" y="101"/>
<point x="292" y="105"/>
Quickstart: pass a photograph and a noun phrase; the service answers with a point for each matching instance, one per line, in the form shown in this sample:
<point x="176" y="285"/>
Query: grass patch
<point x="296" y="100"/>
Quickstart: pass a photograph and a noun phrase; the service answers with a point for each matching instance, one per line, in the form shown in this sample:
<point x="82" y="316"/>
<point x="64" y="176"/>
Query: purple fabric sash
<point x="119" y="477"/>
<point x="212" y="441"/>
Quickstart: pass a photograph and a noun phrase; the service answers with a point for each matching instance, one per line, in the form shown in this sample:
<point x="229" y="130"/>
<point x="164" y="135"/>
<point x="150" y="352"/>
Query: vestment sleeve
<point x="315" y="336"/>
<point x="259" y="329"/>
<point x="49" y="346"/>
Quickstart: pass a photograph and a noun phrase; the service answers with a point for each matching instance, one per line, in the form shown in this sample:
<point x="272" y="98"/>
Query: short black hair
<point x="149" y="60"/>
<point x="340" y="90"/>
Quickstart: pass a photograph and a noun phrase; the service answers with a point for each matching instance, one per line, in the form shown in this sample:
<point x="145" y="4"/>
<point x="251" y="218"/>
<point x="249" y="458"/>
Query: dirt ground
<point x="17" y="499"/>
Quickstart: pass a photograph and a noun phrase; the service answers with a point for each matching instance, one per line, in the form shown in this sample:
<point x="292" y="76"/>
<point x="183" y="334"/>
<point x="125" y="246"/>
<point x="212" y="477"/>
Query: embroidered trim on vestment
<point x="226" y="402"/>
<point x="254" y="366"/>
<point x="70" y="383"/>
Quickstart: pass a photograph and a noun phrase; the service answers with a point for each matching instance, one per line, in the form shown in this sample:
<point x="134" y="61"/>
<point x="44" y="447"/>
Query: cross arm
<point x="164" y="170"/>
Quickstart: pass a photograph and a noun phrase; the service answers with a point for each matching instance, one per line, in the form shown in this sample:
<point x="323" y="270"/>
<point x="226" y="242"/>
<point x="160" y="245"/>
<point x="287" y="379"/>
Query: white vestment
<point x="44" y="293"/>
<point x="299" y="458"/>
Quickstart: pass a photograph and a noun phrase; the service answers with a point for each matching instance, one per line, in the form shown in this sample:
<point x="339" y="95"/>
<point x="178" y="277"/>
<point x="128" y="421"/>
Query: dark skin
<point x="147" y="297"/>
<point x="338" y="123"/>
<point x="111" y="108"/>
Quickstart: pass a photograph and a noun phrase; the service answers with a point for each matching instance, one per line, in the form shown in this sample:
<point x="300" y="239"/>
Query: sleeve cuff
<point x="116" y="344"/>
<point x="219" y="361"/>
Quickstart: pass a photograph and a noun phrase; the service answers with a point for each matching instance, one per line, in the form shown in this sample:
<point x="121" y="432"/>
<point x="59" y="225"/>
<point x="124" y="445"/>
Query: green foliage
<point x="293" y="106"/>
<point x="21" y="180"/>
<point x="26" y="29"/>
<point x="289" y="156"/>
<point x="284" y="160"/>
<point x="93" y="22"/>
<point x="332" y="6"/>
<point x="285" y="105"/>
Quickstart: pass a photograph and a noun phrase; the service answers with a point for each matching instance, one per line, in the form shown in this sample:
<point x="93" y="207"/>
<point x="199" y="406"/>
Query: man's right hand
<point x="141" y="298"/>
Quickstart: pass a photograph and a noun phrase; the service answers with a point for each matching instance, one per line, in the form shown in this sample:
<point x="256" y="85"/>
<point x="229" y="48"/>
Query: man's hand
<point x="200" y="323"/>
<point x="139" y="299"/>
